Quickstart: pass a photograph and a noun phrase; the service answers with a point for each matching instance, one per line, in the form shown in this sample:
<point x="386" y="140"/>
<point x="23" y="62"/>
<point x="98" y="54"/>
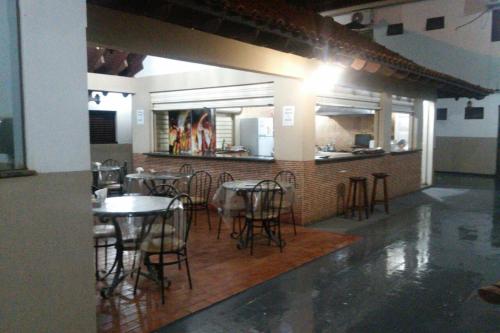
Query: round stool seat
<point x="380" y="175"/>
<point x="357" y="179"/>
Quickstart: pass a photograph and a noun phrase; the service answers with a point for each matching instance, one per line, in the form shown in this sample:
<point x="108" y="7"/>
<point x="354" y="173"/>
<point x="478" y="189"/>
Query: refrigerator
<point x="256" y="135"/>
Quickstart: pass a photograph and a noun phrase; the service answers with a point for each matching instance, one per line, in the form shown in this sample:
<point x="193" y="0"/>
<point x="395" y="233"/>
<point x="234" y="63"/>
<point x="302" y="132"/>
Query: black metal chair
<point x="287" y="176"/>
<point x="263" y="213"/>
<point x="199" y="186"/>
<point x="223" y="178"/>
<point x="164" y="190"/>
<point x="175" y="226"/>
<point x="113" y="180"/>
<point x="186" y="169"/>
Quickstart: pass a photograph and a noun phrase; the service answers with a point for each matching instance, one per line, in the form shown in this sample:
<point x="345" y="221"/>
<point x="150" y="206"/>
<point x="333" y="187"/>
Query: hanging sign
<point x="140" y="117"/>
<point x="288" y="116"/>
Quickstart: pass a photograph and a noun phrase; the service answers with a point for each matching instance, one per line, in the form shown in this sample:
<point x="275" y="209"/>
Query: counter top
<point x="345" y="157"/>
<point x="228" y="157"/>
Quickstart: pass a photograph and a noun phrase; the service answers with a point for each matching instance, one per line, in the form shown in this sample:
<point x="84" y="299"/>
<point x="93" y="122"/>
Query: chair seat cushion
<point x="198" y="200"/>
<point x="104" y="231"/>
<point x="156" y="229"/>
<point x="170" y="244"/>
<point x="265" y="215"/>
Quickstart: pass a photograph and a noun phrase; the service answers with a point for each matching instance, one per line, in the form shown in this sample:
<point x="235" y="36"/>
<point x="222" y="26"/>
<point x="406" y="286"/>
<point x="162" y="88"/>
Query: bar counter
<point x="227" y="157"/>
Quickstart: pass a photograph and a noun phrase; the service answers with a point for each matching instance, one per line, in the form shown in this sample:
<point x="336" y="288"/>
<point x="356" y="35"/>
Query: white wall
<point x="47" y="282"/>
<point x="123" y="107"/>
<point x="467" y="52"/>
<point x="53" y="76"/>
<point x="457" y="126"/>
<point x="143" y="140"/>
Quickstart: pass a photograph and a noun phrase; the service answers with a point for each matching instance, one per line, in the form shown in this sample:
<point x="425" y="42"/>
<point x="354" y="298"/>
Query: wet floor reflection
<point x="416" y="271"/>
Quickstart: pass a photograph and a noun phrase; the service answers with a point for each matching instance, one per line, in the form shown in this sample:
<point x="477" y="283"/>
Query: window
<point x="474" y="113"/>
<point x="395" y="29"/>
<point x="435" y="23"/>
<point x="495" y="26"/>
<point x="102" y="127"/>
<point x="225" y="128"/>
<point x="401" y="131"/>
<point x="441" y="114"/>
<point x="11" y="119"/>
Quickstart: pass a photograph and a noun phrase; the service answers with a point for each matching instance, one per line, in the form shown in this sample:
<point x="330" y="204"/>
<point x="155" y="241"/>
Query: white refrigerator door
<point x="266" y="126"/>
<point x="266" y="146"/>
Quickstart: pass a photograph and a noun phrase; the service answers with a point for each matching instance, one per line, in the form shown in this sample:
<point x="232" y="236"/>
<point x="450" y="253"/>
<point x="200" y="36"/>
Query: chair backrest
<point x="286" y="176"/>
<point x="176" y="223"/>
<point x="186" y="169"/>
<point x="199" y="187"/>
<point x="223" y="178"/>
<point x="266" y="199"/>
<point x="111" y="162"/>
<point x="164" y="190"/>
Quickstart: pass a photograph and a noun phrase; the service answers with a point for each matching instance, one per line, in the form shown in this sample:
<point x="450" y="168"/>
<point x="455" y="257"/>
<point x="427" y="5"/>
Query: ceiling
<point x="324" y="5"/>
<point x="113" y="62"/>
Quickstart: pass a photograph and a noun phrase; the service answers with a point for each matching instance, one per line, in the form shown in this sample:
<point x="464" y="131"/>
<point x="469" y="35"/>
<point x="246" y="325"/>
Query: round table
<point x="233" y="197"/>
<point x="148" y="178"/>
<point x="148" y="207"/>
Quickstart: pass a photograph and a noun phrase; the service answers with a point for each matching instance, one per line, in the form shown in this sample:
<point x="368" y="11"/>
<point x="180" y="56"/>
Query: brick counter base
<point x="316" y="195"/>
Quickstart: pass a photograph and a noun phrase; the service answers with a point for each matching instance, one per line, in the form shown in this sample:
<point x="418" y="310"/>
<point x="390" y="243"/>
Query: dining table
<point x="233" y="198"/>
<point x="132" y="217"/>
<point x="149" y="179"/>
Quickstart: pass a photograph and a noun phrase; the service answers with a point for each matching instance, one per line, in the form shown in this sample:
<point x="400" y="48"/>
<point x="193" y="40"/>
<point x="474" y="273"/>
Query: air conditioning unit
<point x="491" y="4"/>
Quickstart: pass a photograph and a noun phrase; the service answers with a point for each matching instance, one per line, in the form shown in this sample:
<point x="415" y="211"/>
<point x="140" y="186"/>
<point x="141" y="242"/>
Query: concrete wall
<point x="465" y="52"/>
<point x="468" y="146"/>
<point x="119" y="152"/>
<point x="47" y="281"/>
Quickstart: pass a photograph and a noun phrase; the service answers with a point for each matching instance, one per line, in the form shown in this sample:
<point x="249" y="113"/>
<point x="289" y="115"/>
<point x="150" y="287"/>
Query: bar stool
<point x="376" y="177"/>
<point x="353" y="195"/>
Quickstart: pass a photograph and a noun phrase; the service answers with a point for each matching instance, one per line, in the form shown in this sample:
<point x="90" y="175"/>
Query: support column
<point x="294" y="142"/>
<point x="418" y="124"/>
<point x="383" y="122"/>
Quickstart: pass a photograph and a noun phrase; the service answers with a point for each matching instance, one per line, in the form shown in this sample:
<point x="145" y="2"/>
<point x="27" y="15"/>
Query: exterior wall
<point x="47" y="280"/>
<point x="316" y="196"/>
<point x="467" y="53"/>
<point x="468" y="146"/>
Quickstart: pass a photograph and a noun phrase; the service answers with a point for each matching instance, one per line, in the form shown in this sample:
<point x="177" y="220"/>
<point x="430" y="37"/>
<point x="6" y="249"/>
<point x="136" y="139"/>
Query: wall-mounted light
<point x="96" y="98"/>
<point x="324" y="78"/>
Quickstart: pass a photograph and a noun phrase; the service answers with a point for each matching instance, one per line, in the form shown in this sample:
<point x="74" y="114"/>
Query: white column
<point x="383" y="122"/>
<point x="295" y="142"/>
<point x="418" y="124"/>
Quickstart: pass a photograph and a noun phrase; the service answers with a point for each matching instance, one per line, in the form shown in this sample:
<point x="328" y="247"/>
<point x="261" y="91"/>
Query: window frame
<point x="434" y="20"/>
<point x="440" y="112"/>
<point x="115" y="127"/>
<point x="394" y="26"/>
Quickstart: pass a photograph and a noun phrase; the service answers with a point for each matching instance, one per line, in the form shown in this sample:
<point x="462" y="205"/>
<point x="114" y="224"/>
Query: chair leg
<point x="293" y="220"/>
<point x="386" y="197"/>
<point x="365" y="197"/>
<point x="354" y="199"/>
<point x="374" y="195"/>
<point x="187" y="270"/>
<point x="219" y="226"/>
<point x="346" y="207"/>
<point x="208" y="218"/>
<point x="279" y="237"/>
<point x="96" y="260"/>
<point x="106" y="254"/>
<point x="179" y="261"/>
<point x="162" y="281"/>
<point x="137" y="278"/>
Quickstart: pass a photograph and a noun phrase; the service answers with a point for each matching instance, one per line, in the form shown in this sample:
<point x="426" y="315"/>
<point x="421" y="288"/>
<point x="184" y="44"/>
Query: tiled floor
<point x="219" y="270"/>
<point x="416" y="270"/>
